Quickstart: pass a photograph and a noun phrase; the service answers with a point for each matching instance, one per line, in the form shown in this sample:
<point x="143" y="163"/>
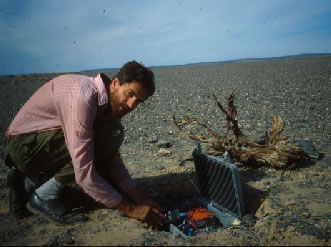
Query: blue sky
<point x="41" y="36"/>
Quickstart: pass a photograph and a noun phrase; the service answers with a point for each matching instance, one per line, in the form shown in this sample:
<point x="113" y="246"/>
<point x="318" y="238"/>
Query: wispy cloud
<point x="48" y="36"/>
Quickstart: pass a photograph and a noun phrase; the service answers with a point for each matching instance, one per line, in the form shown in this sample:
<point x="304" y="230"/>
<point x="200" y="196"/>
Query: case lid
<point x="219" y="181"/>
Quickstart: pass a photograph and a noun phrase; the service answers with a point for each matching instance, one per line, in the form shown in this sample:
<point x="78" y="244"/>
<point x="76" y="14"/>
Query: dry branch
<point x="277" y="151"/>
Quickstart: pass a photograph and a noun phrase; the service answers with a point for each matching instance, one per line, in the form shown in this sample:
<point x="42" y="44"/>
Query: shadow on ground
<point x="173" y="188"/>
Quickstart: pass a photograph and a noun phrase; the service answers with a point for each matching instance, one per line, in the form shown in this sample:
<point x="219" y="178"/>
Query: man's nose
<point x="132" y="103"/>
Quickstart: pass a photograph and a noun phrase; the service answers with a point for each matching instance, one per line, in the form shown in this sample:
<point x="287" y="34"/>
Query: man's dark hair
<point x="134" y="71"/>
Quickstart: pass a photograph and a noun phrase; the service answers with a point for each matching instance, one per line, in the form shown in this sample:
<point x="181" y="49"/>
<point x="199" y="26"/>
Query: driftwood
<point x="276" y="151"/>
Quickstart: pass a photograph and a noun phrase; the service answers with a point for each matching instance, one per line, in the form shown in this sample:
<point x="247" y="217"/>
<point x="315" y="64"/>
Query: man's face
<point x="126" y="97"/>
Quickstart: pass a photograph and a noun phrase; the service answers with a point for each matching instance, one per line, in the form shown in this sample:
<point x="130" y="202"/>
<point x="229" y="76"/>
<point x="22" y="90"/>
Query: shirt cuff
<point x="116" y="199"/>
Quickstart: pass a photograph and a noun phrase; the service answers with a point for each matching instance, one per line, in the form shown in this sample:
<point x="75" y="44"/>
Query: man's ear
<point x="115" y="83"/>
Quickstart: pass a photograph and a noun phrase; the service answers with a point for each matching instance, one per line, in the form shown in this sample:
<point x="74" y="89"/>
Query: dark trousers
<point x="46" y="153"/>
<point x="42" y="153"/>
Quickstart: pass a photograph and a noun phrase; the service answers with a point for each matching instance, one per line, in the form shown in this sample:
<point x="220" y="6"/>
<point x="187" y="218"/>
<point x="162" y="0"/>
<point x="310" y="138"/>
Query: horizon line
<point x="248" y="59"/>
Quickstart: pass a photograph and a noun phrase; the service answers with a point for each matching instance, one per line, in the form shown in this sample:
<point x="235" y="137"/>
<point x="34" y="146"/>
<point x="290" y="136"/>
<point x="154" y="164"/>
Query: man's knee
<point x="36" y="153"/>
<point x="66" y="175"/>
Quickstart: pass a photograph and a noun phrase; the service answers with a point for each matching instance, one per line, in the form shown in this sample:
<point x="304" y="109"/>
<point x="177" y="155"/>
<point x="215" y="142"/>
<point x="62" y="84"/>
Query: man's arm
<point x="136" y="203"/>
<point x="76" y="105"/>
<point x="120" y="176"/>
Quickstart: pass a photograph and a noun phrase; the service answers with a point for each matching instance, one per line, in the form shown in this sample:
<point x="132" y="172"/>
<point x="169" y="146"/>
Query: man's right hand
<point x="145" y="213"/>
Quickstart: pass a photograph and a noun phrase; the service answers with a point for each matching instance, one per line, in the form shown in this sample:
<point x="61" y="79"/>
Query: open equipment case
<point x="220" y="203"/>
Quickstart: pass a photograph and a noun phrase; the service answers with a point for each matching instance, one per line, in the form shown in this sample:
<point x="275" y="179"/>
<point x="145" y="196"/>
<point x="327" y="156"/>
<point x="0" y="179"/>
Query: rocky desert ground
<point x="283" y="207"/>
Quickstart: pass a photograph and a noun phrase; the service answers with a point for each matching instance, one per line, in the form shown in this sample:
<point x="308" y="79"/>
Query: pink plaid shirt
<point x="70" y="102"/>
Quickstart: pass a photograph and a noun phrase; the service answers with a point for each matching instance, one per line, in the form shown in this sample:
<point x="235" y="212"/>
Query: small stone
<point x="266" y="208"/>
<point x="289" y="203"/>
<point x="291" y="229"/>
<point x="306" y="214"/>
<point x="164" y="144"/>
<point x="236" y="222"/>
<point x="289" y="213"/>
<point x="152" y="139"/>
<point x="164" y="151"/>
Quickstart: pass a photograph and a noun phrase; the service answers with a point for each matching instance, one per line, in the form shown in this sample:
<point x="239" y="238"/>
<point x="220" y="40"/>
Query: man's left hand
<point x="140" y="197"/>
<point x="151" y="202"/>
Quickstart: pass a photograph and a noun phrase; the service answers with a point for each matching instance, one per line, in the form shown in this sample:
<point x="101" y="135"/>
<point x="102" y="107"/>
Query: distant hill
<point x="303" y="55"/>
<point x="100" y="70"/>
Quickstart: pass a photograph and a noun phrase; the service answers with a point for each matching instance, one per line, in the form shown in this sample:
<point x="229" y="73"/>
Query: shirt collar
<point x="102" y="83"/>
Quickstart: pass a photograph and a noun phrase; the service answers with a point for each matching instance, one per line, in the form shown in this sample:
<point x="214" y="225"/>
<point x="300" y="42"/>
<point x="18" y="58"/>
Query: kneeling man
<point x="70" y="131"/>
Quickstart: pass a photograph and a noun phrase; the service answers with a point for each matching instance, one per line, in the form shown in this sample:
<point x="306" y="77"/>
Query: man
<point x="70" y="130"/>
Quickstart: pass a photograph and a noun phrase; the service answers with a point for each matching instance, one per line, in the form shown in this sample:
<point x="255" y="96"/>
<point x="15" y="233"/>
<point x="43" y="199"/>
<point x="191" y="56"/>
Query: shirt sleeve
<point x="77" y="113"/>
<point x="119" y="174"/>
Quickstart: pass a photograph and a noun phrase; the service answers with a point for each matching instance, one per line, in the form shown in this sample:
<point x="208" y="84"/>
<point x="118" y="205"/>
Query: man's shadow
<point x="171" y="189"/>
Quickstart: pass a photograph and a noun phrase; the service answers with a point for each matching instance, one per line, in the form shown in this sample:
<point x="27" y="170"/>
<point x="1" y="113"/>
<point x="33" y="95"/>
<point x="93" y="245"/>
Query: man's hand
<point x="147" y="214"/>
<point x="141" y="198"/>
<point x="151" y="215"/>
<point x="150" y="202"/>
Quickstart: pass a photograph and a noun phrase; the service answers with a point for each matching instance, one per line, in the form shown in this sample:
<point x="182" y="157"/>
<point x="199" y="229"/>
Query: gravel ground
<point x="283" y="207"/>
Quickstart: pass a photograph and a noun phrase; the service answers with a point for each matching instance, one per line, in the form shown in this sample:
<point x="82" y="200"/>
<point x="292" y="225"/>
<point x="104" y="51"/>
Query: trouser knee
<point x="35" y="153"/>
